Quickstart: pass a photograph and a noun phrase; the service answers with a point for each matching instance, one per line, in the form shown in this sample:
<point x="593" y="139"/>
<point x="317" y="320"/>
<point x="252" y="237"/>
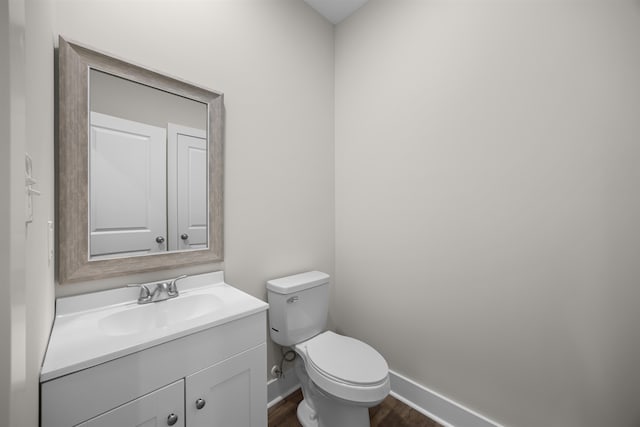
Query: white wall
<point x="5" y="213"/>
<point x="39" y="270"/>
<point x="274" y="63"/>
<point x="26" y="113"/>
<point x="487" y="202"/>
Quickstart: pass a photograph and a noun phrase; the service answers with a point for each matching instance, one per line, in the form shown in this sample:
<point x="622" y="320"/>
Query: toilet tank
<point x="298" y="307"/>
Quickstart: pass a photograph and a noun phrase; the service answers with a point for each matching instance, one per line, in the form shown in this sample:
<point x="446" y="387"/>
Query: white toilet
<point x="341" y="377"/>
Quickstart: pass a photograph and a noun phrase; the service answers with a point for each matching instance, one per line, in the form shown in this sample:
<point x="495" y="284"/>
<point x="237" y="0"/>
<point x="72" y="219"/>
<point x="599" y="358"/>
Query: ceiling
<point x="336" y="10"/>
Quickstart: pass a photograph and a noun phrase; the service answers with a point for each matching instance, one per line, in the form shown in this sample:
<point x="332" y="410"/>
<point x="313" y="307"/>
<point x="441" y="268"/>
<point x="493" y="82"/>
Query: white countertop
<point x="94" y="328"/>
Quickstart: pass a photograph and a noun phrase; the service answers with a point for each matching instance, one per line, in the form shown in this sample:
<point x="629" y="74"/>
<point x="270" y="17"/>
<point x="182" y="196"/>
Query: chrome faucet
<point x="162" y="290"/>
<point x="172" y="291"/>
<point x="145" y="293"/>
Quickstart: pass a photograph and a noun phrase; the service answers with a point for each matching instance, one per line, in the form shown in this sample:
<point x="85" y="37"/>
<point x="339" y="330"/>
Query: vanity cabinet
<point x="224" y="394"/>
<point x="214" y="377"/>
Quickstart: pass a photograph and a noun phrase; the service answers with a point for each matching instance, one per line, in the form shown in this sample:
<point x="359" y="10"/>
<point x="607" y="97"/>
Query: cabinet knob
<point x="160" y="239"/>
<point x="184" y="236"/>
<point x="200" y="403"/>
<point x="172" y="419"/>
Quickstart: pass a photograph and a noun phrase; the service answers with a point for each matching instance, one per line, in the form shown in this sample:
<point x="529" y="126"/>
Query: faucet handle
<point x="145" y="293"/>
<point x="173" y="288"/>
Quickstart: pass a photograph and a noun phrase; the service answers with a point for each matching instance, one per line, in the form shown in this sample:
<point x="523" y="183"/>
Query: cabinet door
<point x="233" y="392"/>
<point x="162" y="407"/>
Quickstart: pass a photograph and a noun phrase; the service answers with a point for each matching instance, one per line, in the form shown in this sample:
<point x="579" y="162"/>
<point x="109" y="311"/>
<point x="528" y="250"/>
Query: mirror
<point x="147" y="169"/>
<point x="139" y="168"/>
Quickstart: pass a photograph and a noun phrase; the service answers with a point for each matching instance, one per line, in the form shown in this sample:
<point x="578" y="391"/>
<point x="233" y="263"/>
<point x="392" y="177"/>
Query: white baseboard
<point x="279" y="388"/>
<point x="435" y="406"/>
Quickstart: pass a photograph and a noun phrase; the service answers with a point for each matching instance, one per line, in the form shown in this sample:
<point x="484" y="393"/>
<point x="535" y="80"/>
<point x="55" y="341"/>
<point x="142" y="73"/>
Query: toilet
<point x="341" y="377"/>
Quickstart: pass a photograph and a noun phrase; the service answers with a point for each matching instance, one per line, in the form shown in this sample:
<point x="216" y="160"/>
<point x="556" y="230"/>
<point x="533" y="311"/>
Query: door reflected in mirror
<point x="147" y="169"/>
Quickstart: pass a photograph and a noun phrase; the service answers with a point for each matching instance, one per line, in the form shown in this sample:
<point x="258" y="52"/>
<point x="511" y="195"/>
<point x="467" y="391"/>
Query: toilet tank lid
<point x="298" y="282"/>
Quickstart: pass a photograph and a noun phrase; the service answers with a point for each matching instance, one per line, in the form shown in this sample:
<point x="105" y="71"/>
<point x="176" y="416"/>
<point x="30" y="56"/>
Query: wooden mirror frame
<point x="74" y="265"/>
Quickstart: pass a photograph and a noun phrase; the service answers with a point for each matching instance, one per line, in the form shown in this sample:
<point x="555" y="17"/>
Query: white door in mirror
<point x="187" y="191"/>
<point x="127" y="180"/>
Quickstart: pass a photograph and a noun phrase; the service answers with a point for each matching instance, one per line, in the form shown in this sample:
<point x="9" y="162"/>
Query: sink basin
<point x="140" y="318"/>
<point x="94" y="328"/>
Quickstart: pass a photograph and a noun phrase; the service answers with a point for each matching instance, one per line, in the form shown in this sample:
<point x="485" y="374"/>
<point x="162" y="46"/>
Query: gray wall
<point x="274" y="63"/>
<point x="487" y="202"/>
<point x="269" y="59"/>
<point x="485" y="171"/>
<point x="125" y="99"/>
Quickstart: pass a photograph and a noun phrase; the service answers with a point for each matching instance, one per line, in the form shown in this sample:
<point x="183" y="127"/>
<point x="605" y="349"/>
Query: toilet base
<point x="306" y="415"/>
<point x="333" y="415"/>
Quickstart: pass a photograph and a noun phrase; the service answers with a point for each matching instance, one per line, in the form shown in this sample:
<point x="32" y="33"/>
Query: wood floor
<point x="390" y="413"/>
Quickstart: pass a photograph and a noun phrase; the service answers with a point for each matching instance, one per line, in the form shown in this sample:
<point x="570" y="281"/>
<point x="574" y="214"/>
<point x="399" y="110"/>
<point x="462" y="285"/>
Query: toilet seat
<point x="346" y="367"/>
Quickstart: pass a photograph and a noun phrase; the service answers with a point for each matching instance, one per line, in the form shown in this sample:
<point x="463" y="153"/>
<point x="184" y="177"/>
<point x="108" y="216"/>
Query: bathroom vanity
<point x="194" y="360"/>
<point x="140" y="177"/>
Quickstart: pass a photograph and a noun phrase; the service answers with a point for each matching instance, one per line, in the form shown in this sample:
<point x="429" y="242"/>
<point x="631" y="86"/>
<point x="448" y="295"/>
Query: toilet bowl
<point x="341" y="377"/>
